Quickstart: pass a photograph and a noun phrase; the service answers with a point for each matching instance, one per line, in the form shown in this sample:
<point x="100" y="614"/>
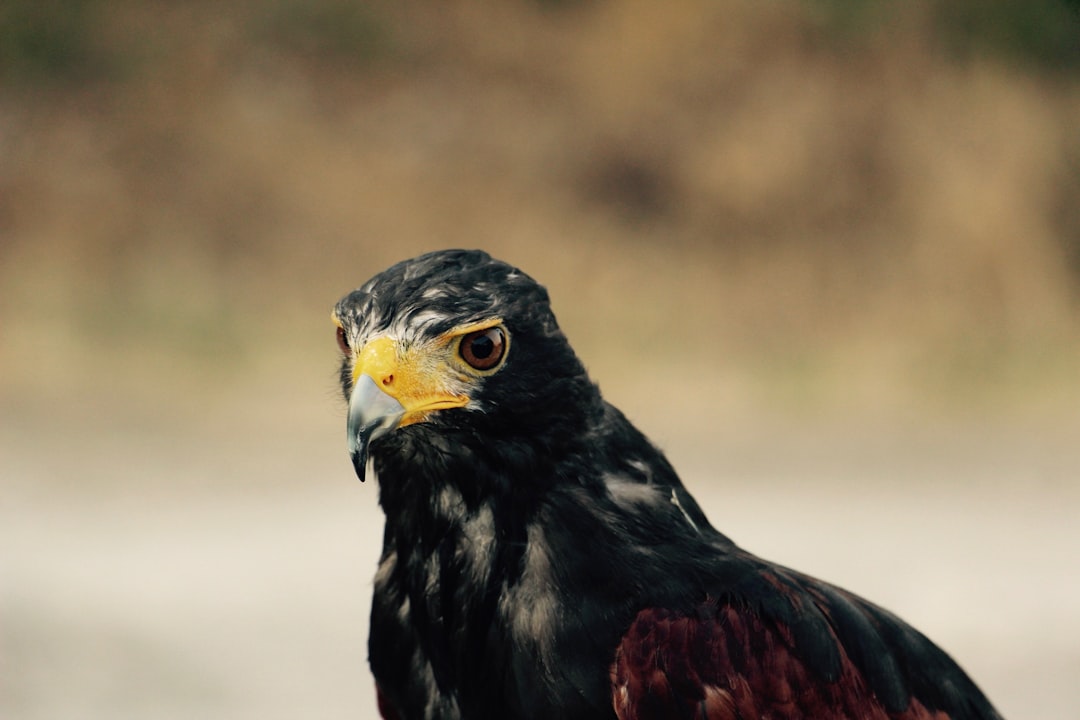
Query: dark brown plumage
<point x="541" y="558"/>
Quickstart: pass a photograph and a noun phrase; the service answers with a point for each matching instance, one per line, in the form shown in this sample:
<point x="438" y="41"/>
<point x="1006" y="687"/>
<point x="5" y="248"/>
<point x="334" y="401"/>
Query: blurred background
<point x="826" y="254"/>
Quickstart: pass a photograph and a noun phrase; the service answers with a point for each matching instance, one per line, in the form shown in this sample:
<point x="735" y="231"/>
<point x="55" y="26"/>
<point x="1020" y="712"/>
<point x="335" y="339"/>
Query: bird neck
<point x="505" y="556"/>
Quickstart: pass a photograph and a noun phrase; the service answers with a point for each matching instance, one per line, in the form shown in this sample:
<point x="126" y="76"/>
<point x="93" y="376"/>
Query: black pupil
<point x="482" y="347"/>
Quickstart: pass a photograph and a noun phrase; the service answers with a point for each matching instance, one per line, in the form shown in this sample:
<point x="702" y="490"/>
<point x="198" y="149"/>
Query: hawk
<point x="542" y="559"/>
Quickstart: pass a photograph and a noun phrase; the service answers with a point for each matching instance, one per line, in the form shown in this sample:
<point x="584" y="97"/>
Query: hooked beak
<point x="393" y="387"/>
<point x="372" y="414"/>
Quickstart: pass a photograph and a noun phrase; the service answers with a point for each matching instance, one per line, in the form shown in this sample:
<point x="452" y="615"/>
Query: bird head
<point x="454" y="343"/>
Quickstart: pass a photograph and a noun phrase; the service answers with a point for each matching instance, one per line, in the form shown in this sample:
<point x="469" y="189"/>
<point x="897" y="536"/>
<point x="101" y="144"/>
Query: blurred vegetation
<point x="348" y="35"/>
<point x="1044" y="34"/>
<point x="50" y="41"/>
<point x="77" y="40"/>
<point x="841" y="194"/>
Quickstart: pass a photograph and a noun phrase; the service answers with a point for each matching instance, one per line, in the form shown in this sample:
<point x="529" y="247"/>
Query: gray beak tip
<point x="372" y="414"/>
<point x="359" y="461"/>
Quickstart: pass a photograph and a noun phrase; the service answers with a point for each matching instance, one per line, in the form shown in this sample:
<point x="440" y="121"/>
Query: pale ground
<point x="152" y="574"/>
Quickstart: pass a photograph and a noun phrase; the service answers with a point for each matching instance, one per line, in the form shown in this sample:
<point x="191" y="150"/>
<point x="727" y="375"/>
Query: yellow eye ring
<point x="480" y="348"/>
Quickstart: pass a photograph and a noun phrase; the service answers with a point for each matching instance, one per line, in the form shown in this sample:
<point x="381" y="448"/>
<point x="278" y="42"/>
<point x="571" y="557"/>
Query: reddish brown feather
<point x="722" y="663"/>
<point x="386" y="710"/>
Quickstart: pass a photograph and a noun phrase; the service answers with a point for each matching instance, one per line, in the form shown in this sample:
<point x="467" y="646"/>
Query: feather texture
<point x="542" y="559"/>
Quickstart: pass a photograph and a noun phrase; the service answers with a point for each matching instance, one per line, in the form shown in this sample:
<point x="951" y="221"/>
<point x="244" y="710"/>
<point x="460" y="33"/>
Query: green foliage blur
<point x="62" y="41"/>
<point x="51" y="41"/>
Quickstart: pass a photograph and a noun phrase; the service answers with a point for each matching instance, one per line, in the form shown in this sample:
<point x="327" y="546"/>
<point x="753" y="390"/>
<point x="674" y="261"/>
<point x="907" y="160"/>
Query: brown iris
<point x="483" y="349"/>
<point x="342" y="341"/>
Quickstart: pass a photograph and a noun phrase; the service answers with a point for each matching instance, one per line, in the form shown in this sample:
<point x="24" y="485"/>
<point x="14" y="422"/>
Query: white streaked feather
<point x="630" y="493"/>
<point x="643" y="468"/>
<point x="385" y="570"/>
<point x="449" y="503"/>
<point x="531" y="605"/>
<point x="676" y="503"/>
<point x="477" y="541"/>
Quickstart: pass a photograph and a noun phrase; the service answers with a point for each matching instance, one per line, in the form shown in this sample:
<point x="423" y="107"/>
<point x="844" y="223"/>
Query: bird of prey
<point x="542" y="559"/>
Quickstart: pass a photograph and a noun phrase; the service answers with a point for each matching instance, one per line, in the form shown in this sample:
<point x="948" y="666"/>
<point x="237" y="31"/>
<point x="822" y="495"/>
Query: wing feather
<point x="801" y="650"/>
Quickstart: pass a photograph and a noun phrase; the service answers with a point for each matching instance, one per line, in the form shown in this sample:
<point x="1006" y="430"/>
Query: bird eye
<point x="484" y="349"/>
<point x="343" y="340"/>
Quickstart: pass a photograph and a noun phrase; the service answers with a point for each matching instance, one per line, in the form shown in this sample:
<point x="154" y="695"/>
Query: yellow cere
<point x="415" y="377"/>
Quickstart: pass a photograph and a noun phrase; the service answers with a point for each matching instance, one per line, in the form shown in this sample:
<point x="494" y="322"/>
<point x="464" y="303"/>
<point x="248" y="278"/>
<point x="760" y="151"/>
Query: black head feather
<point x="540" y="400"/>
<point x="441" y="289"/>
